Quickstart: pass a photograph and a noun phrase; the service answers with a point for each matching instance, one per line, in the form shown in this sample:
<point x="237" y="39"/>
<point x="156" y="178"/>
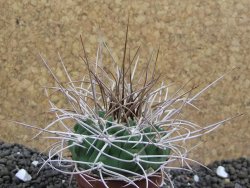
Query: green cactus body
<point x="87" y="153"/>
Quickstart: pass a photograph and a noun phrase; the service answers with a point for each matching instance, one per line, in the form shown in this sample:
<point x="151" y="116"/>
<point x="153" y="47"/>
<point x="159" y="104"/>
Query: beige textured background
<point x="199" y="40"/>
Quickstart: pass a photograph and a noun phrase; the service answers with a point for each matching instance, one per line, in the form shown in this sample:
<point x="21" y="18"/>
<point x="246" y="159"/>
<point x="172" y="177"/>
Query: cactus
<point x="125" y="128"/>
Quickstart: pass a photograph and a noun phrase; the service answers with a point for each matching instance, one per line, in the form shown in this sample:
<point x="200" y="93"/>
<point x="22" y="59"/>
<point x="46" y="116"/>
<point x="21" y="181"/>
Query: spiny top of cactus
<point x="116" y="93"/>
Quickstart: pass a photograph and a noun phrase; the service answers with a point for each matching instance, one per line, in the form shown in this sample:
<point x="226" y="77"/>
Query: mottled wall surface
<point x="199" y="41"/>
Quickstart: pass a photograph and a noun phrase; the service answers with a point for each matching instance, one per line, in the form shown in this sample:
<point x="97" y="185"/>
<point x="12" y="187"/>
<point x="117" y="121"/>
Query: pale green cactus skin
<point x="88" y="153"/>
